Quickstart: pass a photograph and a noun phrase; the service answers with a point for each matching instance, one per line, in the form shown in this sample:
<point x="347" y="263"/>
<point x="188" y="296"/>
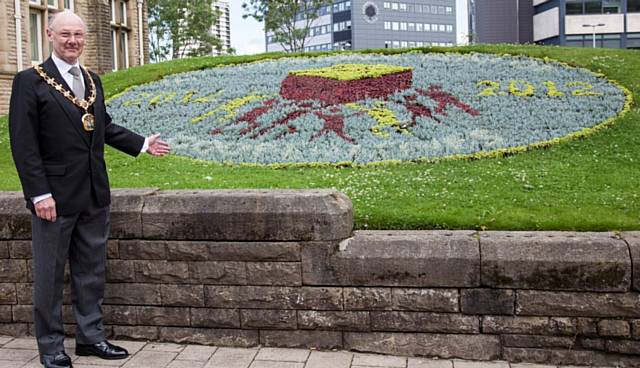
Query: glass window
<point x="68" y="4"/>
<point x="448" y="10"/>
<point x="403" y="26"/>
<point x="434" y="9"/>
<point x="396" y="44"/>
<point x="387" y="44"/>
<point x="403" y="43"/>
<point x="386" y="5"/>
<point x="395" y="26"/>
<point x="593" y="7"/>
<point x="35" y="33"/>
<point x="427" y="27"/>
<point x="114" y="50"/>
<point x="387" y="25"/>
<point x="412" y="44"/>
<point x="449" y="28"/>
<point x="418" y="27"/>
<point x="426" y="9"/>
<point x="419" y="43"/>
<point x="611" y="7"/>
<point x="112" y="4"/>
<point x="411" y="27"/>
<point x="611" y="41"/>
<point x="123" y="13"/>
<point x="394" y="6"/>
<point x="633" y="6"/>
<point x="574" y="7"/>
<point x="36" y="2"/>
<point x="52" y="3"/>
<point x="124" y="50"/>
<point x="441" y="27"/>
<point x="418" y="8"/>
<point x="403" y="7"/>
<point x="441" y="10"/>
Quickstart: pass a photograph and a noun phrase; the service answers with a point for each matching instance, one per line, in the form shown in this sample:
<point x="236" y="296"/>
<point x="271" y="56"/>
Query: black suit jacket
<point x="52" y="152"/>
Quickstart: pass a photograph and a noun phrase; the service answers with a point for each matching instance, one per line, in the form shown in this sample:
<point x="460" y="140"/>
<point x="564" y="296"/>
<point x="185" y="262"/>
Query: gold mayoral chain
<point x="88" y="120"/>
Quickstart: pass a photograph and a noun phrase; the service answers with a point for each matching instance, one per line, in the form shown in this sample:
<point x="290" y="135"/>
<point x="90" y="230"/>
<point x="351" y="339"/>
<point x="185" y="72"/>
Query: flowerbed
<point x="452" y="105"/>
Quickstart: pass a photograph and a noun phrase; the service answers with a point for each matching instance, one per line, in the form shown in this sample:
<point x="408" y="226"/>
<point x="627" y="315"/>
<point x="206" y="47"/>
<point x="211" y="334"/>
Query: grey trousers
<point x="82" y="239"/>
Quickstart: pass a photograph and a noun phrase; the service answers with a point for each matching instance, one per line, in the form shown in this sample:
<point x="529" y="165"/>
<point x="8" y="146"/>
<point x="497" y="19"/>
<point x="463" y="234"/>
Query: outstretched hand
<point x="157" y="147"/>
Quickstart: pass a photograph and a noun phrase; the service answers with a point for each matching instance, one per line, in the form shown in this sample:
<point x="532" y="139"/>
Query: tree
<point x="288" y="20"/>
<point x="181" y="28"/>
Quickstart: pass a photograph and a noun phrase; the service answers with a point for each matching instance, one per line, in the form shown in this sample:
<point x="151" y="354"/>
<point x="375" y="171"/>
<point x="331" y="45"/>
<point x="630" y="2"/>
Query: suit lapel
<point x="69" y="108"/>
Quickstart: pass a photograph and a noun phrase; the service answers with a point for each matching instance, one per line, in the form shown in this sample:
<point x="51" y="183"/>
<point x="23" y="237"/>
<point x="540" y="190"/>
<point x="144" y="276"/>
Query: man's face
<point x="68" y="38"/>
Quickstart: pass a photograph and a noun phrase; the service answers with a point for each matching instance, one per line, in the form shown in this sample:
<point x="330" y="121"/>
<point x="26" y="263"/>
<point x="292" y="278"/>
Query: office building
<point x="222" y="29"/>
<point x="501" y="21"/>
<point x="364" y="24"/>
<point x="611" y="23"/>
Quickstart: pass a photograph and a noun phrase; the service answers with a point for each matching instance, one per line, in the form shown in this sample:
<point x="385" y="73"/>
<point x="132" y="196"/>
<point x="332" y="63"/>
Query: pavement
<point x="23" y="353"/>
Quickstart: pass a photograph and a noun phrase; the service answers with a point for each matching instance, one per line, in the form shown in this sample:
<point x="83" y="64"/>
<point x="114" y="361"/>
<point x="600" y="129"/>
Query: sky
<point x="247" y="35"/>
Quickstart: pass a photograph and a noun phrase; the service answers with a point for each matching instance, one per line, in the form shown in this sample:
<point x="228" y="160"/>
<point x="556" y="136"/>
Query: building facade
<point x="364" y="24"/>
<point x="222" y="29"/>
<point x="116" y="38"/>
<point x="501" y="21"/>
<point x="612" y="23"/>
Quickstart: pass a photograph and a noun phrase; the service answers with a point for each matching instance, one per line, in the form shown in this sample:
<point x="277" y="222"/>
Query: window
<point x="396" y="44"/>
<point x="441" y="27"/>
<point x="68" y="4"/>
<point x="412" y="44"/>
<point x="124" y="50"/>
<point x="419" y="43"/>
<point x="633" y="6"/>
<point x="387" y="44"/>
<point x="574" y="7"/>
<point x="123" y="13"/>
<point x="395" y="26"/>
<point x="403" y="26"/>
<point x="403" y="44"/>
<point x="112" y="4"/>
<point x="434" y="9"/>
<point x="52" y="4"/>
<point x="426" y="9"/>
<point x="403" y="7"/>
<point x="35" y="33"/>
<point x="411" y="27"/>
<point x="593" y="7"/>
<point x="387" y="25"/>
<point x="441" y="10"/>
<point x="394" y="6"/>
<point x="418" y="27"/>
<point x="418" y="8"/>
<point x="35" y="2"/>
<point x="114" y="50"/>
<point x="386" y="5"/>
<point x="427" y="27"/>
<point x="449" y="28"/>
<point x="448" y="10"/>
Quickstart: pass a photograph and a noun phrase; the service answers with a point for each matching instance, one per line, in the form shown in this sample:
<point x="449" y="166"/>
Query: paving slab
<point x="275" y="364"/>
<point x="469" y="364"/>
<point x="150" y="359"/>
<point x="185" y="364"/>
<point x="428" y="363"/>
<point x="165" y="347"/>
<point x="197" y="353"/>
<point x="385" y="361"/>
<point x="22" y="343"/>
<point x="17" y="355"/>
<point x="333" y="359"/>
<point x="283" y="355"/>
<point x="232" y="358"/>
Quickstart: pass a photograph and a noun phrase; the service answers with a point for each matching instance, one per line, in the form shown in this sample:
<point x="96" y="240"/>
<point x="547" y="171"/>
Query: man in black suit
<point x="58" y="127"/>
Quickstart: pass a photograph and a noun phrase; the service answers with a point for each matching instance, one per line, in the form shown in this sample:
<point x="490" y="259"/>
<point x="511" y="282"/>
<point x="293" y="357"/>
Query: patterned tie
<point x="77" y="87"/>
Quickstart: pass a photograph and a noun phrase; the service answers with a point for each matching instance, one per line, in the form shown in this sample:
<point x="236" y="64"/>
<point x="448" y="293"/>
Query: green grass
<point x="585" y="185"/>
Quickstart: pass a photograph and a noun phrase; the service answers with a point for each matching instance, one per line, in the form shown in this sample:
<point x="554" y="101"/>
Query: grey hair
<point x="54" y="18"/>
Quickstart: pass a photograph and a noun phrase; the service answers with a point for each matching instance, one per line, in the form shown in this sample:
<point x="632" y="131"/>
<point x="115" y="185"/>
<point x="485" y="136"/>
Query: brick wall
<point x="283" y="268"/>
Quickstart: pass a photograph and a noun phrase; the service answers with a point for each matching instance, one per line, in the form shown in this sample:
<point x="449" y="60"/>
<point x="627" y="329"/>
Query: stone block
<point x="334" y="320"/>
<point x="148" y="333"/>
<point x="424" y="322"/>
<point x="555" y="261"/>
<point x="208" y="336"/>
<point x="248" y="215"/>
<point x="132" y="294"/>
<point x="519" y="325"/>
<point x="303" y="339"/>
<point x="15" y="329"/>
<point x="22" y="313"/>
<point x="268" y="319"/>
<point x="126" y="212"/>
<point x="120" y="271"/>
<point x="24" y="292"/>
<point x="398" y="258"/>
<point x="4" y="250"/>
<point x="223" y="273"/>
<point x="545" y="303"/>
<point x="273" y="297"/>
<point x="428" y="300"/>
<point x="8" y="294"/>
<point x="216" y="318"/>
<point x="113" y="251"/>
<point x="614" y="328"/>
<point x="13" y="270"/>
<point x="447" y="346"/>
<point x="539" y="341"/>
<point x="274" y="273"/>
<point x="567" y="357"/>
<point x="15" y="218"/>
<point x="182" y="295"/>
<point x="20" y="249"/>
<point x="624" y="347"/>
<point x="635" y="328"/>
<point x="487" y="301"/>
<point x="163" y="316"/>
<point x="591" y="343"/>
<point x="633" y="240"/>
<point x="233" y="251"/>
<point x="6" y="314"/>
<point x="368" y="298"/>
<point x="140" y="249"/>
<point x="120" y="314"/>
<point x="161" y="272"/>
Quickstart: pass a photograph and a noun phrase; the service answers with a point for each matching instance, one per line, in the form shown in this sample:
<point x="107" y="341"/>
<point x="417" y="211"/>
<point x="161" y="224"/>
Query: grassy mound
<point x="586" y="185"/>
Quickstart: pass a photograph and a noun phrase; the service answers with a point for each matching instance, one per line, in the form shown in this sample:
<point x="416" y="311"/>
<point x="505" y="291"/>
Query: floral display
<point x="365" y="108"/>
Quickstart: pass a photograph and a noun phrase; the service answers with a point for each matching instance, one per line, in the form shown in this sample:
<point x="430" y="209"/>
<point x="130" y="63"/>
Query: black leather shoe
<point x="58" y="360"/>
<point x="104" y="350"/>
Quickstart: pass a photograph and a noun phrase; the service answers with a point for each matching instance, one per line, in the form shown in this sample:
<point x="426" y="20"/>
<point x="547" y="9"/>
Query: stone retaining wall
<point x="283" y="268"/>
